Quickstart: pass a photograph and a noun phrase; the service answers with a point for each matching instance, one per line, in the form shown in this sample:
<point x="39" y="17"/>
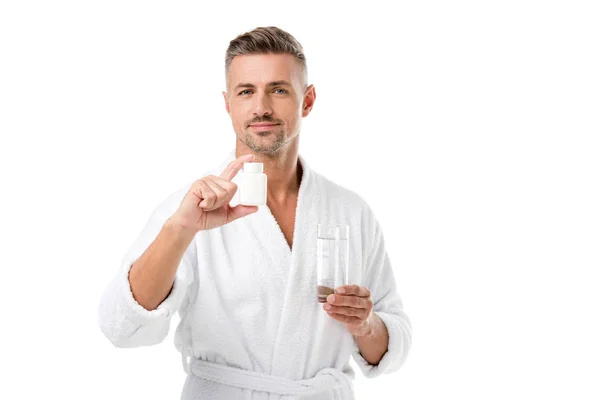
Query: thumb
<point x="240" y="211"/>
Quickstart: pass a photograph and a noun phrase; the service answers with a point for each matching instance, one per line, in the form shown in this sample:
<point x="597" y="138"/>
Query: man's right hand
<point x="206" y="205"/>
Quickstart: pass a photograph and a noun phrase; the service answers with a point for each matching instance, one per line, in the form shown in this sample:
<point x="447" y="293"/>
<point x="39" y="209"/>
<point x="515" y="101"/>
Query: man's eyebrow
<point x="279" y="83"/>
<point x="243" y="85"/>
<point x="274" y="83"/>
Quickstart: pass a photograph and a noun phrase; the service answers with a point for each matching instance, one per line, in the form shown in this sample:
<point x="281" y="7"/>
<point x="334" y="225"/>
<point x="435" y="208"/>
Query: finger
<point x="353" y="290"/>
<point x="233" y="167"/>
<point x="222" y="194"/>
<point x="208" y="196"/>
<point x="229" y="187"/>
<point x="345" y="318"/>
<point x="361" y="313"/>
<point x="349" y="301"/>
<point x="240" y="211"/>
<point x="215" y="183"/>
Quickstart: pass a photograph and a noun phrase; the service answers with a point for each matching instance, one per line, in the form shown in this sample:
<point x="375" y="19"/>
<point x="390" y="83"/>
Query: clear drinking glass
<point x="332" y="258"/>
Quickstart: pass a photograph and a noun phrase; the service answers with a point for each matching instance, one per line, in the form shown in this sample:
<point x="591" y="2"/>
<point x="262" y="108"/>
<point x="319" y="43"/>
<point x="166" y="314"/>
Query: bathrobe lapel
<point x="304" y="326"/>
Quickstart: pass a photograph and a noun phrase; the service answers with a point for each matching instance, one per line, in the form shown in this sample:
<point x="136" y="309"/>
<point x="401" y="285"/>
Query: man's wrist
<point x="369" y="329"/>
<point x="179" y="230"/>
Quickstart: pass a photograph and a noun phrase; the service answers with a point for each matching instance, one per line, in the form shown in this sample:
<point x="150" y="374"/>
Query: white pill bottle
<point x="253" y="185"/>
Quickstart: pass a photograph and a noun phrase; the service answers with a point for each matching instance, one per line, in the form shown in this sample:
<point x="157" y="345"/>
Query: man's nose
<point x="261" y="105"/>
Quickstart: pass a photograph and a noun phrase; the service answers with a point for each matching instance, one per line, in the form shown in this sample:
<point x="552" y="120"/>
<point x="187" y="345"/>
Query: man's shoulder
<point x="339" y="192"/>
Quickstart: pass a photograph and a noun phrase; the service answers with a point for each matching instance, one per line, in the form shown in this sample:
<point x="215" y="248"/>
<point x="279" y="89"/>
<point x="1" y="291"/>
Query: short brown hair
<point x="265" y="40"/>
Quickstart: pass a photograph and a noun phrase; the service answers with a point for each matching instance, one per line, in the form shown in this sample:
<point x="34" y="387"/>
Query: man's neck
<point x="283" y="170"/>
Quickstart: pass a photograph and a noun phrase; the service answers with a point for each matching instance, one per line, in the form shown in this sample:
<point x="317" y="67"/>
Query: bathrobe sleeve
<point x="121" y="318"/>
<point x="378" y="277"/>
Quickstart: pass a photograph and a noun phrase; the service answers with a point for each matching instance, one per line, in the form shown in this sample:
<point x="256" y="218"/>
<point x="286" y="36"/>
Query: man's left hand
<point x="352" y="305"/>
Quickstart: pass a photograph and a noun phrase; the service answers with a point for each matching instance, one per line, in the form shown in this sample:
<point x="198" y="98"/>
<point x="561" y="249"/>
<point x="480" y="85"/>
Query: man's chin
<point x="262" y="133"/>
<point x="266" y="142"/>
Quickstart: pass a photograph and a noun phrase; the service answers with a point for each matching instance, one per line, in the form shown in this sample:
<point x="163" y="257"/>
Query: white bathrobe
<point x="251" y="326"/>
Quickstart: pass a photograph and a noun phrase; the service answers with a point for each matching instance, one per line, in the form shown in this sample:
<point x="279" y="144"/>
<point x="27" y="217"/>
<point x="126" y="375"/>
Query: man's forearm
<point x="151" y="277"/>
<point x="375" y="344"/>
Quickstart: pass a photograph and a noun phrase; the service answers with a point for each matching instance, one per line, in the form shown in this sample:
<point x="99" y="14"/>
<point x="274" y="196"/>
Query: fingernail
<point x="331" y="298"/>
<point x="341" y="290"/>
<point x="327" y="306"/>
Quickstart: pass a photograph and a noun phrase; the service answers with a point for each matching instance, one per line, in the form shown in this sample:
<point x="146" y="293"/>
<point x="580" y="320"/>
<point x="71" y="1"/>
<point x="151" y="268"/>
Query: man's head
<point x="266" y="79"/>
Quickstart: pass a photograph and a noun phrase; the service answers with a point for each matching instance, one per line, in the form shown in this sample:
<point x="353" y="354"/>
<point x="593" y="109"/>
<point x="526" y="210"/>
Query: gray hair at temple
<point x="265" y="40"/>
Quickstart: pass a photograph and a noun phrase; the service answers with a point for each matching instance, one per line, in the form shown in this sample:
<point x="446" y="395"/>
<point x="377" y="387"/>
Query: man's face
<point x="266" y="99"/>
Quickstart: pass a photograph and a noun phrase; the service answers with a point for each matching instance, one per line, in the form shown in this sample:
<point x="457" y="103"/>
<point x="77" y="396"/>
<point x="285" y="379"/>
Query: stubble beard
<point x="264" y="142"/>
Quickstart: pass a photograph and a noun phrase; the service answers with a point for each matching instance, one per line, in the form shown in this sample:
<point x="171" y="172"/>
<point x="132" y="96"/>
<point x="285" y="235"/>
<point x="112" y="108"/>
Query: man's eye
<point x="243" y="92"/>
<point x="281" y="91"/>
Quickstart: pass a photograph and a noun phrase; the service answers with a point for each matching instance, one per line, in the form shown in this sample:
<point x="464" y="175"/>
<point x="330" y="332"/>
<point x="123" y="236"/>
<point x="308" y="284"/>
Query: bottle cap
<point x="253" y="167"/>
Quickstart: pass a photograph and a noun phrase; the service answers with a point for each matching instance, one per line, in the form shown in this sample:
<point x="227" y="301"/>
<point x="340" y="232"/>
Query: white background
<point x="470" y="127"/>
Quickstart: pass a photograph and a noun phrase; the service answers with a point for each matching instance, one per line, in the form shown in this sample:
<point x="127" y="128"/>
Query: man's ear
<point x="226" y="102"/>
<point x="310" y="95"/>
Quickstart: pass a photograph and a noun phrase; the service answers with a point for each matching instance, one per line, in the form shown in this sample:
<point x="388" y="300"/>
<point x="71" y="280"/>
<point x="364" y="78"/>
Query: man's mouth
<point x="263" y="126"/>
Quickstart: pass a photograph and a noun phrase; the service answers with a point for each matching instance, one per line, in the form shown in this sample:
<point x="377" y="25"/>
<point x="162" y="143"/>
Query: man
<point x="243" y="277"/>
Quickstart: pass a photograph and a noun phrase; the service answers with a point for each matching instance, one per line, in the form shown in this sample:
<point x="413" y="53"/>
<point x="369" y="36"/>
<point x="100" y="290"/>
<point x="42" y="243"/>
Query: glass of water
<point x="332" y="258"/>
